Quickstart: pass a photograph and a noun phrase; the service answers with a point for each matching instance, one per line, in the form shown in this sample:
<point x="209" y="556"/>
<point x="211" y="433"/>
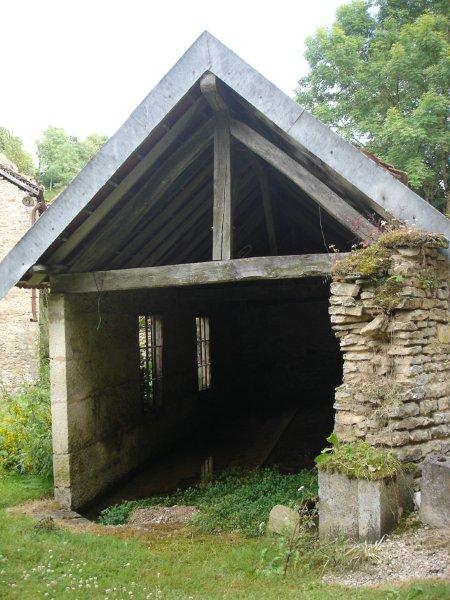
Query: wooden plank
<point x="227" y="271"/>
<point x="222" y="225"/>
<point x="266" y="201"/>
<point x="318" y="191"/>
<point x="128" y="182"/>
<point x="116" y="232"/>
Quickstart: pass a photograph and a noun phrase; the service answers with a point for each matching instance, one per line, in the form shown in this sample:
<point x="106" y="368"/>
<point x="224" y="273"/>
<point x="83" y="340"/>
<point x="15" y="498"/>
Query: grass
<point x="43" y="564"/>
<point x="360" y="460"/>
<point x="235" y="501"/>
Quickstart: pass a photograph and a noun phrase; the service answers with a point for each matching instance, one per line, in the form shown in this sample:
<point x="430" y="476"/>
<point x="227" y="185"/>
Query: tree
<point x="379" y="76"/>
<point x="62" y="156"/>
<point x="11" y="147"/>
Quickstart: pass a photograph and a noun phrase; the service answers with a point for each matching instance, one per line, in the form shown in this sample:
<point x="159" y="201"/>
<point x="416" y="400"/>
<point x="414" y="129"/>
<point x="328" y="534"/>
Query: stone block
<point x="376" y="326"/>
<point x="435" y="491"/>
<point x="361" y="509"/>
<point x="345" y="289"/>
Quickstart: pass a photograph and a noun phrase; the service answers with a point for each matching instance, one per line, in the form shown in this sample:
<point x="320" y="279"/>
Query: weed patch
<point x="360" y="460"/>
<point x="235" y="501"/>
<point x="25" y="429"/>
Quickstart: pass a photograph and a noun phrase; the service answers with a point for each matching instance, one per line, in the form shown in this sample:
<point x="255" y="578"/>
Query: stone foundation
<point x="396" y="381"/>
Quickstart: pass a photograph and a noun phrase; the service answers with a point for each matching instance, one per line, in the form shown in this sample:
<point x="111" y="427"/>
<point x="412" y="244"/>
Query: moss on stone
<point x="374" y="261"/>
<point x="412" y="238"/>
<point x="371" y="262"/>
<point x="360" y="460"/>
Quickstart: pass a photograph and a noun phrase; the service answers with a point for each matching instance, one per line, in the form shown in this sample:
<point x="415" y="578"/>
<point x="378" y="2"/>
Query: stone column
<point x="394" y="335"/>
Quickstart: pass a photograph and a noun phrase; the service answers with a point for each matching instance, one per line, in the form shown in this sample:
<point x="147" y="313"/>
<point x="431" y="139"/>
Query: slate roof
<point x="345" y="169"/>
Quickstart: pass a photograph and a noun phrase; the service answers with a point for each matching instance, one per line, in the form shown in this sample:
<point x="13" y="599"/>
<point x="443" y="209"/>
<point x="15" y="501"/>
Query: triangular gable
<point x="381" y="190"/>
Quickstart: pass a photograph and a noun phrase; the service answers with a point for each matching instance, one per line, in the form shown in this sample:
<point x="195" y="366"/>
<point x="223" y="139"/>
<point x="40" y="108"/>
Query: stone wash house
<point x="20" y="200"/>
<point x="188" y="266"/>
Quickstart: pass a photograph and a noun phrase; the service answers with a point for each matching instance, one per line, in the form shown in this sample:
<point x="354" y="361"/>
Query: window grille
<point x="150" y="353"/>
<point x="203" y="353"/>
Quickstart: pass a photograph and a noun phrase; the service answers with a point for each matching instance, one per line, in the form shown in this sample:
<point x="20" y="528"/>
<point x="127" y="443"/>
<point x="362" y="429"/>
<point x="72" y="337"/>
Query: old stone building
<point x="19" y="308"/>
<point x="189" y="273"/>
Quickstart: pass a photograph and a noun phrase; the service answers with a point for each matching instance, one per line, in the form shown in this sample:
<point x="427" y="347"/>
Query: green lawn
<point x="57" y="564"/>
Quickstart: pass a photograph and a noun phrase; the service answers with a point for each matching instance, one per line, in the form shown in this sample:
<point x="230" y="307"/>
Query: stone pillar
<point x="394" y="335"/>
<point x="96" y="406"/>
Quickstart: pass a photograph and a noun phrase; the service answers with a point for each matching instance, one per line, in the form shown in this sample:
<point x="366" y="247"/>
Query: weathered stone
<point x="355" y="311"/>
<point x="360" y="509"/>
<point x="443" y="333"/>
<point x="283" y="519"/>
<point x="403" y="350"/>
<point x="435" y="497"/>
<point x="344" y="289"/>
<point x="376" y="326"/>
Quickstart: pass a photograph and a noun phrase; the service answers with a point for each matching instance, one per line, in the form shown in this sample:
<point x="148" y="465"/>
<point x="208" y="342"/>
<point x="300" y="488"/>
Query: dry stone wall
<point x="396" y="380"/>
<point x="18" y="333"/>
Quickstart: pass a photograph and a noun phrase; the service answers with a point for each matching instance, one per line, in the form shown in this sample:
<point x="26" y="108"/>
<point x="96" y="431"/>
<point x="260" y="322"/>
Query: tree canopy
<point x="11" y="146"/>
<point x="61" y="156"/>
<point x="380" y="77"/>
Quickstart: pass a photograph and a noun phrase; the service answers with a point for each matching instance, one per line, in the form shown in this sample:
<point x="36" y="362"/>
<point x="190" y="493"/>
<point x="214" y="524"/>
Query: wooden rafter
<point x="119" y="228"/>
<point x="318" y="191"/>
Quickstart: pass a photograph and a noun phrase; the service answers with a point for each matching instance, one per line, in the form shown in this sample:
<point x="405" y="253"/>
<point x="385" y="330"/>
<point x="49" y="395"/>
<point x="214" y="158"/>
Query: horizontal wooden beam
<point x="227" y="271"/>
<point x="305" y="180"/>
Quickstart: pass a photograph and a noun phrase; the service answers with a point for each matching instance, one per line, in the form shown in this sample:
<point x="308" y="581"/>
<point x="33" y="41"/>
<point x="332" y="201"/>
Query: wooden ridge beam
<point x="304" y="179"/>
<point x="191" y="274"/>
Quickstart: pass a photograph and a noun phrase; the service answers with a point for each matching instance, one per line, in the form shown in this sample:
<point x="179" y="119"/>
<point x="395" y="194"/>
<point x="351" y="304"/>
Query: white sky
<point x="84" y="65"/>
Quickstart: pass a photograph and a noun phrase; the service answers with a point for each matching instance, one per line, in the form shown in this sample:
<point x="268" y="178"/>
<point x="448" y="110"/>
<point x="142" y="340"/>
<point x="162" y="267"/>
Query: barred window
<point x="150" y="353"/>
<point x="203" y="353"/>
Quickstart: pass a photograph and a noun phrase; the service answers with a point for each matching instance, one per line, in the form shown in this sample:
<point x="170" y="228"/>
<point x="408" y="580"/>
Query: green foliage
<point x="380" y="77"/>
<point x="359" y="460"/>
<point x="372" y="261"/>
<point x="62" y="156"/>
<point x="235" y="501"/>
<point x="11" y="147"/>
<point x="25" y="429"/>
<point x="386" y="293"/>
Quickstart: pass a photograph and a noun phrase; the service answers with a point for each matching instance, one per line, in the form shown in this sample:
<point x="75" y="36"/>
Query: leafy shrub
<point x="360" y="460"/>
<point x="25" y="429"/>
<point x="234" y="501"/>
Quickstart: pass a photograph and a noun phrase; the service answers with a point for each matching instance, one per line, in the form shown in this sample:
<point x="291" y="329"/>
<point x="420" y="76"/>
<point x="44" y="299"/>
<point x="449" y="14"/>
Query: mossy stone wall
<point x="393" y="329"/>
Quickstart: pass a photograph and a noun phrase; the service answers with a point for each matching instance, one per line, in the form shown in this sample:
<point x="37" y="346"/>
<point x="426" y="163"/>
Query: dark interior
<point x="274" y="364"/>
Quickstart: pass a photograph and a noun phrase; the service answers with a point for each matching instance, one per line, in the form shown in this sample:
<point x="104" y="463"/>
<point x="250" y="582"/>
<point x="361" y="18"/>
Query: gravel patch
<point x="161" y="515"/>
<point x="416" y="554"/>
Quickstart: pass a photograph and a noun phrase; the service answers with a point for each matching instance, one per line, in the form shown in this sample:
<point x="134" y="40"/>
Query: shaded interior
<point x="274" y="366"/>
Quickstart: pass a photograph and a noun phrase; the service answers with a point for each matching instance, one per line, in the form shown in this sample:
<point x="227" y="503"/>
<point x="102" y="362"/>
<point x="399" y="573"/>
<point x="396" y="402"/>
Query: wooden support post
<point x="222" y="223"/>
<point x="222" y="227"/>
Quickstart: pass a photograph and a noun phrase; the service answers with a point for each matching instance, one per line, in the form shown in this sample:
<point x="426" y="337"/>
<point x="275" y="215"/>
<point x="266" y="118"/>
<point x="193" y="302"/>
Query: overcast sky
<point x="84" y="65"/>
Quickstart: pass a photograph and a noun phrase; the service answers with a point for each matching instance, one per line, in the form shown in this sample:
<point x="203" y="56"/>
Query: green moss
<point x="374" y="260"/>
<point x="360" y="460"/>
<point x="371" y="262"/>
<point x="412" y="238"/>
